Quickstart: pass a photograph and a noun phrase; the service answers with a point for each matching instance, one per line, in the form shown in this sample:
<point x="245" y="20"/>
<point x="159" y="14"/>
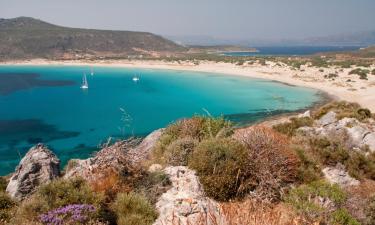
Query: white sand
<point x="360" y="91"/>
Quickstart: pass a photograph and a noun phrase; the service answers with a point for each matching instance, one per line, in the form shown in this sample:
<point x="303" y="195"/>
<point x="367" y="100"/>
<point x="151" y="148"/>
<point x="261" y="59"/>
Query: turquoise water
<point x="46" y="104"/>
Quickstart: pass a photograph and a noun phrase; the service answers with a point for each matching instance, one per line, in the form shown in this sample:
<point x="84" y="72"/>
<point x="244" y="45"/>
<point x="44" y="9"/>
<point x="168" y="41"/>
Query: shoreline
<point x="360" y="91"/>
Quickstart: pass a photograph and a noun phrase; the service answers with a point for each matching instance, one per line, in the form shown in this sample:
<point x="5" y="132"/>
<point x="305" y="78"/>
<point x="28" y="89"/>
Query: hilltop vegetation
<point x="24" y="38"/>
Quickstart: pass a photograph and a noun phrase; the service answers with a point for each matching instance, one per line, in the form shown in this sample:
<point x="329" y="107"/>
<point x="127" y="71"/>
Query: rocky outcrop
<point x="327" y="119"/>
<point x="142" y="151"/>
<point x="185" y="202"/>
<point x="358" y="134"/>
<point x="109" y="158"/>
<point x="119" y="157"/>
<point x="305" y="114"/>
<point x="39" y="166"/>
<point x="338" y="175"/>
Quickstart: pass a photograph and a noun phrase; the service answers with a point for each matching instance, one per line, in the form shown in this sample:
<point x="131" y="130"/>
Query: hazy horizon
<point x="269" y="19"/>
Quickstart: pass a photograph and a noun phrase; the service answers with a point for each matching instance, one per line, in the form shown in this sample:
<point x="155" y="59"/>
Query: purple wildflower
<point x="69" y="213"/>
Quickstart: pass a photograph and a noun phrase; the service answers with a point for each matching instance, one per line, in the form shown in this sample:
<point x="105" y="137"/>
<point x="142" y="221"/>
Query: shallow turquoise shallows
<point x="46" y="104"/>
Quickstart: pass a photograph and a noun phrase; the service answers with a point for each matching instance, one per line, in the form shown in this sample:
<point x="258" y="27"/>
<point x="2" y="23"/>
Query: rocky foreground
<point x="184" y="198"/>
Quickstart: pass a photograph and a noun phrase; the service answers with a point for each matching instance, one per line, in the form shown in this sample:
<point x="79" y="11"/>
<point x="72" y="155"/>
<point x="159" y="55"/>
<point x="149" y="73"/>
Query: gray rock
<point x="142" y="151"/>
<point x="369" y="140"/>
<point x="328" y="118"/>
<point x="39" y="166"/>
<point x="185" y="202"/>
<point x="338" y="175"/>
<point x="305" y="114"/>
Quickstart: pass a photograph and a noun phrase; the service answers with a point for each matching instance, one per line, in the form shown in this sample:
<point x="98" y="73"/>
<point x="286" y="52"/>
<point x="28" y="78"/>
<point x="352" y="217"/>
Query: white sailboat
<point x="85" y="84"/>
<point x="92" y="72"/>
<point x="135" y="78"/>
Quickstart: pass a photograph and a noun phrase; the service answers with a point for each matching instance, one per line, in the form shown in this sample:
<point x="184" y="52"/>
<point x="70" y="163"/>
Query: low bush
<point x="305" y="199"/>
<point x="344" y="109"/>
<point x="133" y="209"/>
<point x="152" y="185"/>
<point x="191" y="130"/>
<point x="3" y="184"/>
<point x="332" y="151"/>
<point x="178" y="152"/>
<point x="223" y="168"/>
<point x="361" y="73"/>
<point x="274" y="165"/>
<point x="6" y="205"/>
<point x="373" y="72"/>
<point x="290" y="128"/>
<point x="58" y="193"/>
<point x="342" y="217"/>
<point x="308" y="170"/>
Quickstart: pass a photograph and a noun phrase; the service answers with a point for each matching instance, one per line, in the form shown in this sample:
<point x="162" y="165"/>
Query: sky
<point x="270" y="19"/>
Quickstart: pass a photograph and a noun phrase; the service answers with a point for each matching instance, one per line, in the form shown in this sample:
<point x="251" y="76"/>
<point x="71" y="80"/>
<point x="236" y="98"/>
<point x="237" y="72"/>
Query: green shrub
<point x="178" y="152"/>
<point x="195" y="129"/>
<point x="333" y="150"/>
<point x="344" y="109"/>
<point x="303" y="198"/>
<point x="373" y="72"/>
<point x="152" y="185"/>
<point x="6" y="205"/>
<point x="223" y="168"/>
<point x="342" y="217"/>
<point x="290" y="128"/>
<point x="56" y="194"/>
<point x="133" y="209"/>
<point x="3" y="184"/>
<point x="308" y="170"/>
<point x="361" y="73"/>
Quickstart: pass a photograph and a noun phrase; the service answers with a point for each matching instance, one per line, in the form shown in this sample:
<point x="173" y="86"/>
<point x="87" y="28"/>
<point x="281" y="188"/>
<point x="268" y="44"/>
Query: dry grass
<point x="248" y="212"/>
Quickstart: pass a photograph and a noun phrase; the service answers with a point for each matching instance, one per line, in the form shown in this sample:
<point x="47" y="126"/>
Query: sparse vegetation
<point x="309" y="200"/>
<point x="3" y="184"/>
<point x="6" y="205"/>
<point x="342" y="217"/>
<point x="344" y="109"/>
<point x="361" y="73"/>
<point x="290" y="128"/>
<point x="133" y="209"/>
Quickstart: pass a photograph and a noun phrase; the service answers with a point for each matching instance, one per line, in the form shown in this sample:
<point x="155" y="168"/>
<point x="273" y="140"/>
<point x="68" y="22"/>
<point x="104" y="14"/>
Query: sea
<point x="46" y="104"/>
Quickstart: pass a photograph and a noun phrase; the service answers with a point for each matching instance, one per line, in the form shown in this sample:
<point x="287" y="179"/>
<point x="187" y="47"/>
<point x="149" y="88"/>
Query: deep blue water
<point x="292" y="50"/>
<point x="46" y="104"/>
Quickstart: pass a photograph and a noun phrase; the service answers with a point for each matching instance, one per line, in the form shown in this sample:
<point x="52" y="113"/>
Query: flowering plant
<point x="74" y="213"/>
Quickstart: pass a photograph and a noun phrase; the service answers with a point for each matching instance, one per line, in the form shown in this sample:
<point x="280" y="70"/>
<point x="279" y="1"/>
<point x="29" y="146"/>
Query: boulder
<point x="185" y="202"/>
<point x="369" y="140"/>
<point x="305" y="114"/>
<point x="38" y="166"/>
<point x="338" y="175"/>
<point x="327" y="119"/>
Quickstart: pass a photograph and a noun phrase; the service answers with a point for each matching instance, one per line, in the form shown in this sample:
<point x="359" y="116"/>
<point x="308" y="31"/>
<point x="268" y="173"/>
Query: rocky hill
<point x="24" y="37"/>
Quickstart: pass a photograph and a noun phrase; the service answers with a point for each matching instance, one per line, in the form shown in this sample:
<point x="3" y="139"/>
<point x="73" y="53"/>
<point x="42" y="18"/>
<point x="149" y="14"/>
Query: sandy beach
<point x="344" y="87"/>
